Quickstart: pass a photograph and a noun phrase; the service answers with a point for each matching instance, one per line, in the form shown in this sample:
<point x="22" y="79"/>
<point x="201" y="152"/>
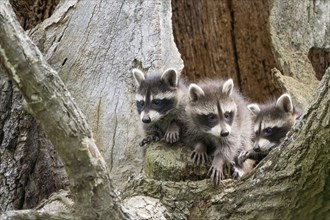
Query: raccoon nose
<point x="146" y="119"/>
<point x="224" y="133"/>
<point x="256" y="148"/>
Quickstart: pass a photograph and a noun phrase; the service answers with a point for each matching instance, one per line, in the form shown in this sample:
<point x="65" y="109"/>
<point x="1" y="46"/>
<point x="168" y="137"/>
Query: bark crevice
<point x="233" y="42"/>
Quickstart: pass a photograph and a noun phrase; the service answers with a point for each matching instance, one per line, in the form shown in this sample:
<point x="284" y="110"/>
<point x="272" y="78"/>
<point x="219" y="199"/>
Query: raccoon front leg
<point x="251" y="154"/>
<point x="216" y="170"/>
<point x="149" y="139"/>
<point x="153" y="134"/>
<point x="172" y="133"/>
<point x="239" y="170"/>
<point x="235" y="171"/>
<point x="199" y="155"/>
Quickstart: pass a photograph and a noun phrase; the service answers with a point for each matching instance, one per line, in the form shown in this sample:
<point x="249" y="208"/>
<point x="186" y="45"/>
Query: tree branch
<point x="48" y="100"/>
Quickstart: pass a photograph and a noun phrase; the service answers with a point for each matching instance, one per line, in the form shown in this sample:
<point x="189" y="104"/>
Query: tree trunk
<point x="114" y="39"/>
<point x="228" y="39"/>
<point x="27" y="158"/>
<point x="51" y="104"/>
<point x="93" y="45"/>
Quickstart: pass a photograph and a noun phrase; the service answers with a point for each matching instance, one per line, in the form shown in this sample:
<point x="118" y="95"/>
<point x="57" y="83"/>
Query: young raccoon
<point x="218" y="121"/>
<point x="158" y="102"/>
<point x="272" y="123"/>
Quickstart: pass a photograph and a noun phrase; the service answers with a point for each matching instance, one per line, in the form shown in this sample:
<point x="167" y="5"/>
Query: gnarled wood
<point x="280" y="187"/>
<point x="48" y="100"/>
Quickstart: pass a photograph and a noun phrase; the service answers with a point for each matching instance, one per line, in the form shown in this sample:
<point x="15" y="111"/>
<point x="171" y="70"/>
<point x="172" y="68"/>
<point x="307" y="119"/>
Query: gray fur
<point x="224" y="149"/>
<point x="254" y="108"/>
<point x="162" y="123"/>
<point x="138" y="76"/>
<point x="170" y="76"/>
<point x="272" y="122"/>
<point x="284" y="102"/>
<point x="195" y="92"/>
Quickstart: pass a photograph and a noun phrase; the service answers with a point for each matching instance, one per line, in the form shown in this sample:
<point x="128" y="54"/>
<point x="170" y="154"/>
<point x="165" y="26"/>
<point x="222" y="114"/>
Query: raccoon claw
<point x="235" y="175"/>
<point x="243" y="156"/>
<point x="216" y="175"/>
<point x="234" y="172"/>
<point x="198" y="158"/>
<point x="148" y="140"/>
<point x="171" y="137"/>
<point x="172" y="134"/>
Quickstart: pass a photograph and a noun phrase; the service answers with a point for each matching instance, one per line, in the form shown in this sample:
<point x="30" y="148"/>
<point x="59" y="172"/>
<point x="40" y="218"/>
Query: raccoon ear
<point x="138" y="76"/>
<point x="254" y="108"/>
<point x="195" y="92"/>
<point x="284" y="102"/>
<point x="227" y="87"/>
<point x="170" y="76"/>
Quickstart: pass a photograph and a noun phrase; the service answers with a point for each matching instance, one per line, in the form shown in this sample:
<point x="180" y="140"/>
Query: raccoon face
<point x="272" y="122"/>
<point x="156" y="95"/>
<point x="212" y="110"/>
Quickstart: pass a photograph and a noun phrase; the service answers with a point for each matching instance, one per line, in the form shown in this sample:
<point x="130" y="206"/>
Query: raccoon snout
<point x="224" y="133"/>
<point x="146" y="119"/>
<point x="256" y="148"/>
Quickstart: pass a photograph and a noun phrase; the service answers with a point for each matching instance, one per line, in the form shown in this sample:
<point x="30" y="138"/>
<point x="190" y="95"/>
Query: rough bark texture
<point x="292" y="38"/>
<point x="30" y="169"/>
<point x="229" y="39"/>
<point x="51" y="104"/>
<point x="320" y="59"/>
<point x="27" y="158"/>
<point x="172" y="163"/>
<point x="97" y="44"/>
<point x="32" y="12"/>
<point x="94" y="45"/>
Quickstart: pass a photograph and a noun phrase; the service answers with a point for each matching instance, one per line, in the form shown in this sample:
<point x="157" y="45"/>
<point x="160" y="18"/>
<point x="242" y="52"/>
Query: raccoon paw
<point x="149" y="139"/>
<point x="172" y="134"/>
<point x="216" y="174"/>
<point x="235" y="172"/>
<point x="199" y="158"/>
<point x="235" y="175"/>
<point x="171" y="137"/>
<point x="242" y="157"/>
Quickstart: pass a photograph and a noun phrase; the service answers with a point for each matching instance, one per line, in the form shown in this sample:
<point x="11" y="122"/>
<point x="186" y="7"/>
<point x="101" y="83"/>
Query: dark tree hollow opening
<point x="320" y="59"/>
<point x="32" y="12"/>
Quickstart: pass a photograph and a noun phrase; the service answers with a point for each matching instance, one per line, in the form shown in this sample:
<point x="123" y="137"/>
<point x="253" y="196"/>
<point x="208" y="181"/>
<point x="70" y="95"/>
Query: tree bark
<point x="32" y="12"/>
<point x="94" y="44"/>
<point x="51" y="104"/>
<point x="27" y="158"/>
<point x="30" y="168"/>
<point x="97" y="43"/>
<point x="222" y="39"/>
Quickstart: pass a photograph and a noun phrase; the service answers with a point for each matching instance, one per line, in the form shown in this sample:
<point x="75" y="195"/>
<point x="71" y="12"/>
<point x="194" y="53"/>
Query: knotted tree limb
<point x="48" y="100"/>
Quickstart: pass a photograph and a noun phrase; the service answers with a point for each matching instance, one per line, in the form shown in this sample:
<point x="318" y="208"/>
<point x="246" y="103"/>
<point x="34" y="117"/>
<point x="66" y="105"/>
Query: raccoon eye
<point x="211" y="117"/>
<point x="156" y="101"/>
<point x="140" y="103"/>
<point x="227" y="115"/>
<point x="268" y="130"/>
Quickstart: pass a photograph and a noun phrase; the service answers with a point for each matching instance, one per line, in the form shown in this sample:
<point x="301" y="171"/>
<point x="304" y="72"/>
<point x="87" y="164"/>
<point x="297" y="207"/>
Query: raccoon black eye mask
<point x="218" y="119"/>
<point x="158" y="99"/>
<point x="272" y="123"/>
